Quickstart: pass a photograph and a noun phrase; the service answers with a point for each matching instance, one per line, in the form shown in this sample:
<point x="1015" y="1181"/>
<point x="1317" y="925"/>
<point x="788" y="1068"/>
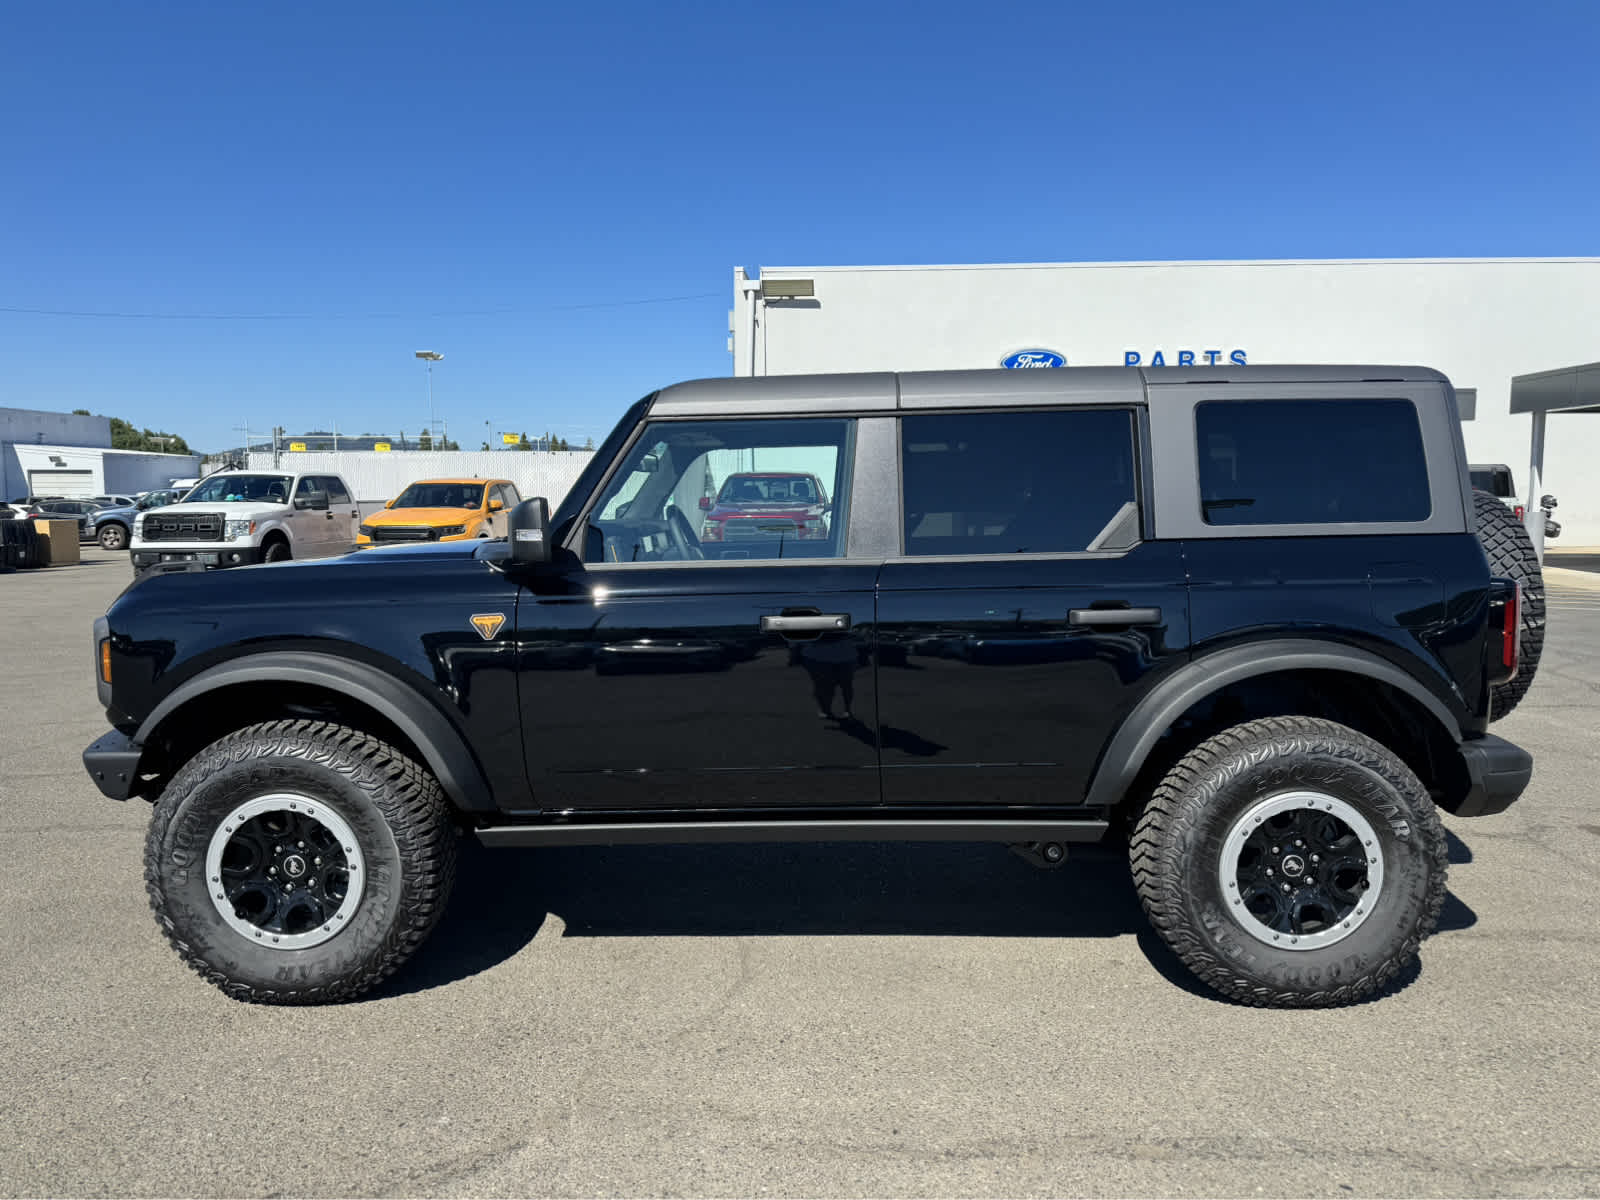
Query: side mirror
<point x="1547" y="501"/>
<point x="389" y="503"/>
<point x="705" y="503"/>
<point x="530" y="532"/>
<point x="496" y="505"/>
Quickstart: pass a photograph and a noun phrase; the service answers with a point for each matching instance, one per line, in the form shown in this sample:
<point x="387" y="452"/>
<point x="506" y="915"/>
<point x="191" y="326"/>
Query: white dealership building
<point x="1480" y="321"/>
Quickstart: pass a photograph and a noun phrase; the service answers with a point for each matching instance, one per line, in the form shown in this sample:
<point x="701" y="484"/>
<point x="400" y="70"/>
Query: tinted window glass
<point x="309" y="486"/>
<point x="1016" y="483"/>
<point x="336" y="492"/>
<point x="512" y="496"/>
<point x="1310" y="462"/>
<point x="695" y="490"/>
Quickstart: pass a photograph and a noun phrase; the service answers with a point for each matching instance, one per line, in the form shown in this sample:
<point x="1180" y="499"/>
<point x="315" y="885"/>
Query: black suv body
<point x="1242" y="619"/>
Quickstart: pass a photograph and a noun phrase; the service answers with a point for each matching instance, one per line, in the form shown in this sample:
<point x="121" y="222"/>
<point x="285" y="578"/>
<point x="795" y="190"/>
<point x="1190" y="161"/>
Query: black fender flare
<point x="443" y="747"/>
<point x="1131" y="745"/>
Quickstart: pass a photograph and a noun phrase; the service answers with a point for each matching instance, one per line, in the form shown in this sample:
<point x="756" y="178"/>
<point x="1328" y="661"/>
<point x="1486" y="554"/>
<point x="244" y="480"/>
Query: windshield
<point x="273" y="489"/>
<point x="441" y="495"/>
<point x="768" y="489"/>
<point x="1494" y="480"/>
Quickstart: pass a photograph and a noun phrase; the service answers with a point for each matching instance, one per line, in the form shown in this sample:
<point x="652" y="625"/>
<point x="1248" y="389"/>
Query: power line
<point x="388" y="316"/>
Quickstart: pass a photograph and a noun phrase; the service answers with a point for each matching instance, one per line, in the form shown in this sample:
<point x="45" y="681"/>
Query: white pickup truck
<point x="237" y="517"/>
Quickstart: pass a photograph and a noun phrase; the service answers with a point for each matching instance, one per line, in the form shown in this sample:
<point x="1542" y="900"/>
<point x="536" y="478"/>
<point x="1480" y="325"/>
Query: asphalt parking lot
<point x="817" y="1020"/>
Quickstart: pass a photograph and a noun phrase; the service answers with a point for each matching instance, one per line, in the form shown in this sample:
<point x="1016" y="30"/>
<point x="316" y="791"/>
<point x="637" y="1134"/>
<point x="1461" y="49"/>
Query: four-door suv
<point x="1238" y="620"/>
<point x="768" y="504"/>
<point x="234" y="518"/>
<point x="443" y="510"/>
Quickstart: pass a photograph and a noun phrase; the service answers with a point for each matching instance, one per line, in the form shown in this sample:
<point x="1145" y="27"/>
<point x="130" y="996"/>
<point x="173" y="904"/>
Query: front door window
<point x="693" y="491"/>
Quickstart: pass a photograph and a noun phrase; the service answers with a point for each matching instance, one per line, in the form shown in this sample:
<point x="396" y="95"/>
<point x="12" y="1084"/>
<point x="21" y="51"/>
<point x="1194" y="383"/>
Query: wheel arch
<point x="1133" y="747"/>
<point x="278" y="678"/>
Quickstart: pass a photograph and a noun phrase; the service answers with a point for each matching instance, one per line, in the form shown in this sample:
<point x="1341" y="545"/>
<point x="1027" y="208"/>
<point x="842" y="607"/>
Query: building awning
<point x="1567" y="389"/>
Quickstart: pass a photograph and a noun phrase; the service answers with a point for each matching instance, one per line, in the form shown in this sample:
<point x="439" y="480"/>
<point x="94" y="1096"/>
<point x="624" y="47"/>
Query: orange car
<point x="442" y="510"/>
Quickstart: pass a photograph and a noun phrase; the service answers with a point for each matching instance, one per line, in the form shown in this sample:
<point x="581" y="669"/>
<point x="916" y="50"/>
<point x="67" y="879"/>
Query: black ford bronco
<point x="1251" y="623"/>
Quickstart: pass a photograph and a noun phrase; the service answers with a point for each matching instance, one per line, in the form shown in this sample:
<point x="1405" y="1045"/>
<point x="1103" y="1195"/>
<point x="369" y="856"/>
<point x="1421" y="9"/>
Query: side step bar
<point x="661" y="832"/>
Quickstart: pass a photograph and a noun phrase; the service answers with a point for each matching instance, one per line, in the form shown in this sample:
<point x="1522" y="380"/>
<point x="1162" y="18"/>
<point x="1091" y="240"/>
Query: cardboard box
<point x="58" y="541"/>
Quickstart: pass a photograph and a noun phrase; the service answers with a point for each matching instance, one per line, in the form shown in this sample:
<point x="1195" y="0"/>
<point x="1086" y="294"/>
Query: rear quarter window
<point x="1310" y="462"/>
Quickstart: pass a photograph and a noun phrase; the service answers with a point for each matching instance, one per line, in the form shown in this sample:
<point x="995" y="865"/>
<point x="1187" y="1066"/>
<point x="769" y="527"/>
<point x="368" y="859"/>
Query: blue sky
<point x="554" y="196"/>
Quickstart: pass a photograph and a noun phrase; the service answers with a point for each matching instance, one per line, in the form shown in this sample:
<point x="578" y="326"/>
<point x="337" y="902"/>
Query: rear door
<point x="1028" y="613"/>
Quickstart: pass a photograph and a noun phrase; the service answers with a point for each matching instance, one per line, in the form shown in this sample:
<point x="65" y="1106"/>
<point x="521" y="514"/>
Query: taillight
<point x="711" y="532"/>
<point x="1519" y="510"/>
<point x="1510" y="641"/>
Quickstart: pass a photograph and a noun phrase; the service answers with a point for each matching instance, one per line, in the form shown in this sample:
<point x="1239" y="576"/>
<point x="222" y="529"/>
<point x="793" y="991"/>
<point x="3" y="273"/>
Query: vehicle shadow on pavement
<point x="503" y="897"/>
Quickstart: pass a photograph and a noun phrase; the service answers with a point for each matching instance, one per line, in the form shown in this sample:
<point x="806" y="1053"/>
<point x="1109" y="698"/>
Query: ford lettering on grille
<point x="184" y="527"/>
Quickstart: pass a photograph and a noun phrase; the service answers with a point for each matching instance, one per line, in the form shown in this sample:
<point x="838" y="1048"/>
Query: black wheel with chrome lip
<point x="1291" y="862"/>
<point x="299" y="862"/>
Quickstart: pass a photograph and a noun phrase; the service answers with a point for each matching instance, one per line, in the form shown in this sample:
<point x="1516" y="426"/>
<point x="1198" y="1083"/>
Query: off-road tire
<point x="1178" y="843"/>
<point x="277" y="551"/>
<point x="113" y="536"/>
<point x="395" y="809"/>
<point x="1511" y="556"/>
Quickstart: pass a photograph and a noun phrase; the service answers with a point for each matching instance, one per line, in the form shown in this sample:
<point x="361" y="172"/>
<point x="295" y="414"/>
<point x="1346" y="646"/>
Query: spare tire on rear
<point x="1511" y="556"/>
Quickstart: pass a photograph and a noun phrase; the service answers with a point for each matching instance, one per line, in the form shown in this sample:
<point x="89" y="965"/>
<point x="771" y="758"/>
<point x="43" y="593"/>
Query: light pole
<point x="430" y="357"/>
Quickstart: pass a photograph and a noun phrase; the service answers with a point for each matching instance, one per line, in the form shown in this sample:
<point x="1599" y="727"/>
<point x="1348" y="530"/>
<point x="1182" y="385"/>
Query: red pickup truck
<point x="766" y="504"/>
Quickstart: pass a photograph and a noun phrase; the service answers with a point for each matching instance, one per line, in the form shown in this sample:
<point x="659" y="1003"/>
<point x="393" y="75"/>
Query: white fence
<point x="379" y="477"/>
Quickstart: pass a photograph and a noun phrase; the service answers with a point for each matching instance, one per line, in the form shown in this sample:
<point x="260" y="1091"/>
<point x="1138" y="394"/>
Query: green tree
<point x="125" y="437"/>
<point x="81" y="412"/>
<point x="522" y="441"/>
<point x="425" y="441"/>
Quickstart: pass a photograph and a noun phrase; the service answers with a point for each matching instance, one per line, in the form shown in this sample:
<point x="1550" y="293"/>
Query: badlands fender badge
<point x="488" y="624"/>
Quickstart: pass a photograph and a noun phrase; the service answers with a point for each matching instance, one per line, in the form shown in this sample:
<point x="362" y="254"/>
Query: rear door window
<point x="1018" y="482"/>
<point x="1310" y="462"/>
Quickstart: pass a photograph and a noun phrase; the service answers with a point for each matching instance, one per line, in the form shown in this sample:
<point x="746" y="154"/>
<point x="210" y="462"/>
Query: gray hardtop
<point x="899" y="391"/>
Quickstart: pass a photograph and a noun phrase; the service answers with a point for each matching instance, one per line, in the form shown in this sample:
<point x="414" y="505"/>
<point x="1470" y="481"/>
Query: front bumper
<point x="212" y="558"/>
<point x="1498" y="772"/>
<point x="113" y="763"/>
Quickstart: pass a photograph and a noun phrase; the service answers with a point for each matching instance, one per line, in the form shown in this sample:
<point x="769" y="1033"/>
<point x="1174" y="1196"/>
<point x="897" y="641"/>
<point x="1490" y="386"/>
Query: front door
<point x="684" y="666"/>
<point x="313" y="527"/>
<point x="1027" y="615"/>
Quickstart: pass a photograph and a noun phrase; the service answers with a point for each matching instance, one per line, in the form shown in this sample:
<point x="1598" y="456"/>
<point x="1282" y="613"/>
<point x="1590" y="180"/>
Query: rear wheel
<point x="1512" y="556"/>
<point x="1291" y="862"/>
<point x="113" y="537"/>
<point x="299" y="862"/>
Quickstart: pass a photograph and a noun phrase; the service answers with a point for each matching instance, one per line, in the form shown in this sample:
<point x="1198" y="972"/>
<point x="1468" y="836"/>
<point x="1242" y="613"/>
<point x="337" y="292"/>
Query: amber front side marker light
<point x="105" y="661"/>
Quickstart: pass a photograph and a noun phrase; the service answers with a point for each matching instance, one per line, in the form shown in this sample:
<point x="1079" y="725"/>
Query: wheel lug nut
<point x="272" y="870"/>
<point x="1286" y="887"/>
<point x="1275" y="849"/>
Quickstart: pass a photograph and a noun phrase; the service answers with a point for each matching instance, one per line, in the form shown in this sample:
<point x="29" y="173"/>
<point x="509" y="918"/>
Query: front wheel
<point x="277" y="551"/>
<point x="113" y="537"/>
<point x="1291" y="862"/>
<point x="299" y="862"/>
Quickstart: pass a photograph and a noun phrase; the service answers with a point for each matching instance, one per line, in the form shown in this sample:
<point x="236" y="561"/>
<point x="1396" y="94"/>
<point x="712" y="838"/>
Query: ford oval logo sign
<point x="1026" y="359"/>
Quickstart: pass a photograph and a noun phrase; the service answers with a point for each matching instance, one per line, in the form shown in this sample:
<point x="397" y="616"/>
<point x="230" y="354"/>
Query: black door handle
<point x="1114" y="616"/>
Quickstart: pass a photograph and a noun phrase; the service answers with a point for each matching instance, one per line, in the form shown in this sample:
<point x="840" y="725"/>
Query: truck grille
<point x="758" y="527"/>
<point x="404" y="533"/>
<point x="183" y="527"/>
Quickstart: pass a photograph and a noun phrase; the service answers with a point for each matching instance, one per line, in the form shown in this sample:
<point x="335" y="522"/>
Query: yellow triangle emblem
<point x="488" y="624"/>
